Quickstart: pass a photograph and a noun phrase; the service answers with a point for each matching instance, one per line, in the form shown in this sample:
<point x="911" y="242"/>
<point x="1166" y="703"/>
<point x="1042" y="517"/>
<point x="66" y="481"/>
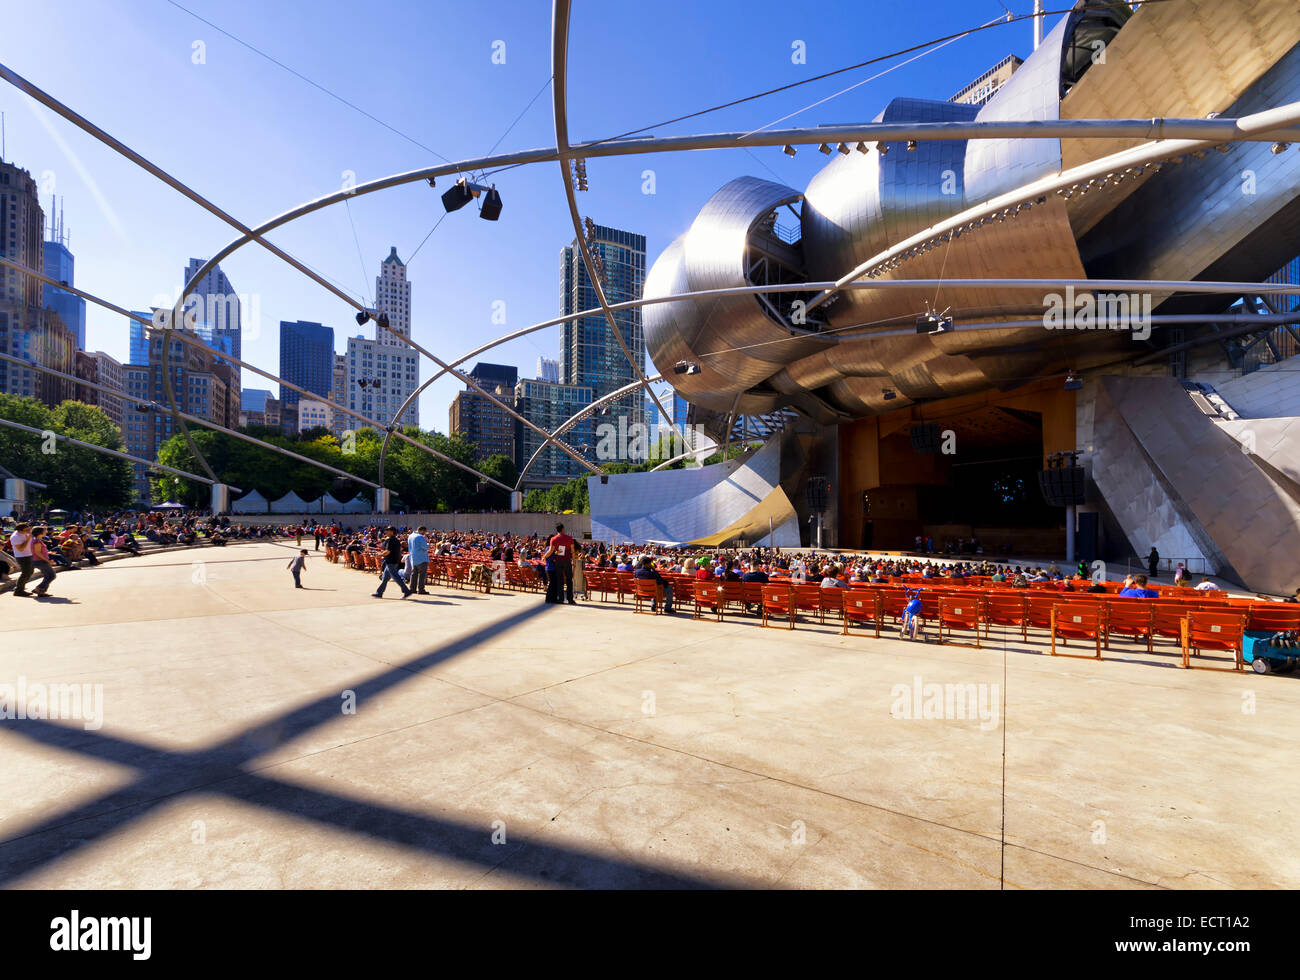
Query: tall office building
<point x="203" y="385"/>
<point x="28" y="330"/>
<point x="548" y="369"/>
<point x="101" y="369"/>
<point x="393" y="296"/>
<point x="218" y="308"/>
<point x="306" y="359"/>
<point x="681" y="409"/>
<point x="252" y="406"/>
<point x="382" y="373"/>
<point x="480" y="421"/>
<point x="140" y="322"/>
<point x="380" y="377"/>
<point x="590" y="354"/>
<point x="549" y="405"/>
<point x="339" y="395"/>
<point x="61" y="266"/>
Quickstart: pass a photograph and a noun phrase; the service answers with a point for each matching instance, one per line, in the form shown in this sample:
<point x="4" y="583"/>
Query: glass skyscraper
<point x="60" y="265"/>
<point x="590" y="355"/>
<point x="306" y="358"/>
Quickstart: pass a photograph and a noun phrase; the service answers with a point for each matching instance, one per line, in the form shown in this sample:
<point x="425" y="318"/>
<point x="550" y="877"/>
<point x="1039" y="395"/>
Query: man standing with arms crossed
<point x="418" y="547"/>
<point x="560" y="551"/>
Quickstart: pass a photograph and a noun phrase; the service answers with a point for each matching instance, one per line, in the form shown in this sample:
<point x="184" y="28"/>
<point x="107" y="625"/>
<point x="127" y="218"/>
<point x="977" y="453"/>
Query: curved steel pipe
<point x="111" y="452"/>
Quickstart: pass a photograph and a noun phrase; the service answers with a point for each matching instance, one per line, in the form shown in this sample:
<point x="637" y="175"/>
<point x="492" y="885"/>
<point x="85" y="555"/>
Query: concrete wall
<point x="579" y="525"/>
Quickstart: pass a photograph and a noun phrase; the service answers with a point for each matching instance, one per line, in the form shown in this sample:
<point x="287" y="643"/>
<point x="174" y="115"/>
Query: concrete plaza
<point x="498" y="742"/>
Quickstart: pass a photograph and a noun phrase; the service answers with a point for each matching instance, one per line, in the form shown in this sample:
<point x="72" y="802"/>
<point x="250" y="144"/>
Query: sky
<point x="257" y="140"/>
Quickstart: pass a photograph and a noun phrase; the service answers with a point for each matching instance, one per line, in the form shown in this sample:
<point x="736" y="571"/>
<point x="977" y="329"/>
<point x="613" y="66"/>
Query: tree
<point x="500" y="468"/>
<point x="75" y="478"/>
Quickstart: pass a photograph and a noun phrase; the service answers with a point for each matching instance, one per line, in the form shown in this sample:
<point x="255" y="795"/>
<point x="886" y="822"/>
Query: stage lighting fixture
<point x="1073" y="383"/>
<point x="824" y="149"/>
<point x="686" y="367"/>
<point x="888" y="394"/>
<point x="863" y="148"/>
<point x="843" y="149"/>
<point x="491" y="209"/>
<point x="1277" y="148"/>
<point x="882" y="148"/>
<point x="362" y="318"/>
<point x="789" y="150"/>
<point x="911" y="146"/>
<point x="457" y="196"/>
<point x="932" y="323"/>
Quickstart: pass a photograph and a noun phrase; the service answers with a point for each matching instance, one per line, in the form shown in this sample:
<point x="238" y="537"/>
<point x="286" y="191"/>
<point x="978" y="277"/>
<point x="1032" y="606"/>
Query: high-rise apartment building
<point x="548" y="369"/>
<point x="591" y="356"/>
<point x="549" y="405"/>
<point x="478" y="420"/>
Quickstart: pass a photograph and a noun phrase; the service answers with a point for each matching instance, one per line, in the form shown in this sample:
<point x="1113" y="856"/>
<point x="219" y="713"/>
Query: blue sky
<point x="256" y="140"/>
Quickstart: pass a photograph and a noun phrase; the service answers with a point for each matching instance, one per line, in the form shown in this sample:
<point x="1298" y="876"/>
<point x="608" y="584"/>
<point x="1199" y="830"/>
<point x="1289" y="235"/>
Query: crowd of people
<point x="44" y="544"/>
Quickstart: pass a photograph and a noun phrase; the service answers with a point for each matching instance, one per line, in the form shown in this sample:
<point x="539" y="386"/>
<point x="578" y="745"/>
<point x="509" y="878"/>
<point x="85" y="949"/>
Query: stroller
<point x="911" y="614"/>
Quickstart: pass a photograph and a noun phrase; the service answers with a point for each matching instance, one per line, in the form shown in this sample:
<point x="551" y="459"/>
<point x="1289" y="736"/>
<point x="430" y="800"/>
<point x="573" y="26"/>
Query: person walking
<point x="21" y="543"/>
<point x="392" y="565"/>
<point x="41" y="561"/>
<point x="296" y="566"/>
<point x="417" y="546"/>
<point x="1153" y="563"/>
<point x="297" y="535"/>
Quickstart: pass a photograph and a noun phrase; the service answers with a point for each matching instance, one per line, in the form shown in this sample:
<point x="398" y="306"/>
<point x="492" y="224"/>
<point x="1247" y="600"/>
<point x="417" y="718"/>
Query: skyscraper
<point x="306" y="359"/>
<point x="480" y="421"/>
<point x="27" y="329"/>
<point x="101" y="369"/>
<point x="590" y="354"/>
<point x="382" y="373"/>
<point x="548" y="369"/>
<point x="393" y="296"/>
<point x="203" y="385"/>
<point x="60" y="265"/>
<point x="140" y="322"/>
<point x="548" y="405"/>
<point x="217" y="307"/>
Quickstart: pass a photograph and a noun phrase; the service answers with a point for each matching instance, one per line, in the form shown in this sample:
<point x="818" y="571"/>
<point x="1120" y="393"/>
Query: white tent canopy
<point x="250" y="503"/>
<point x="290" y="503"/>
<point x="331" y="505"/>
<point x="357" y="505"/>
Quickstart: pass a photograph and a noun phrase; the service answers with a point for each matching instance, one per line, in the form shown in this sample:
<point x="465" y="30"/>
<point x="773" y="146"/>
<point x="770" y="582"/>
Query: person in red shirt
<point x="559" y="552"/>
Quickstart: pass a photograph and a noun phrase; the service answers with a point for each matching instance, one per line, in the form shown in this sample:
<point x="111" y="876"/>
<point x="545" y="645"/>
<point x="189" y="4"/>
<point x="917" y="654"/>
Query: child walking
<point x="296" y="566"/>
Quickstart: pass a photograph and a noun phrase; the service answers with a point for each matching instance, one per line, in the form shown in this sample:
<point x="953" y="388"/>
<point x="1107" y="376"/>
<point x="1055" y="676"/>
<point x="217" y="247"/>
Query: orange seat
<point x="1273" y="617"/>
<point x="832" y="600"/>
<point x="1129" y="618"/>
<point x="707" y="594"/>
<point x="863" y="606"/>
<point x="1006" y="610"/>
<point x="1213" y="631"/>
<point x="647" y="590"/>
<point x="808" y="598"/>
<point x="961" y="612"/>
<point x="778" y="602"/>
<point x="1084" y="621"/>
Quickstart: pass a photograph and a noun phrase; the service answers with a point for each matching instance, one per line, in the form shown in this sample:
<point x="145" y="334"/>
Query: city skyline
<point x="510" y="275"/>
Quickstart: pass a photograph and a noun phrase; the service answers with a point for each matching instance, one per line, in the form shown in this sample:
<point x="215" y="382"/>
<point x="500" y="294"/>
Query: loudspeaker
<point x="1063" y="486"/>
<point x="925" y="438"/>
<point x="818" y="494"/>
<point x="491" y="209"/>
<point x="457" y="196"/>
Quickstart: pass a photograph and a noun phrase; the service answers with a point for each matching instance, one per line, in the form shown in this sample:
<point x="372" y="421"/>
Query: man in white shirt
<point x="21" y="542"/>
<point x="1206" y="586"/>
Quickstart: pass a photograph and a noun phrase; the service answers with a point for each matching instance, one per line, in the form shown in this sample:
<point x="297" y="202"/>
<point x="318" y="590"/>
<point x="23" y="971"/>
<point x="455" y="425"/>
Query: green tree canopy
<point x="75" y="478"/>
